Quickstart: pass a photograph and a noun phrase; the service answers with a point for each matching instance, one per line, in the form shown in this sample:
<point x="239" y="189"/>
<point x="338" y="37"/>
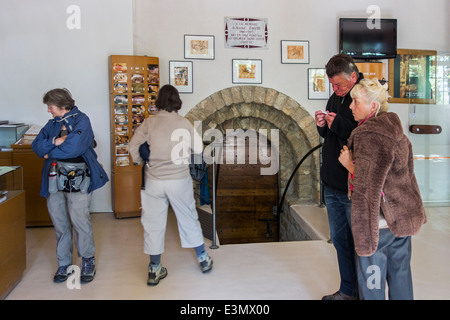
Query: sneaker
<point x="62" y="273"/>
<point x="87" y="270"/>
<point x="338" y="296"/>
<point x="205" y="262"/>
<point x="155" y="273"/>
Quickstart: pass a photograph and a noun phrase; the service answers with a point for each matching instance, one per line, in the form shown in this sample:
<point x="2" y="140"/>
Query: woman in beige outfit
<point x="171" y="139"/>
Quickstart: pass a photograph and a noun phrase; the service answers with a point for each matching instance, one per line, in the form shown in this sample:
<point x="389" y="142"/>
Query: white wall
<point x="39" y="53"/>
<point x="160" y="26"/>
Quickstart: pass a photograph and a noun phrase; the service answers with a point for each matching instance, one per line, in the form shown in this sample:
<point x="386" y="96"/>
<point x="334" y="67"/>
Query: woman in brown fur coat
<point x="386" y="204"/>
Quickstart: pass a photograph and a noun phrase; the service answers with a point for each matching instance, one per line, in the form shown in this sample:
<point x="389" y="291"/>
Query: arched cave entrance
<point x="258" y="108"/>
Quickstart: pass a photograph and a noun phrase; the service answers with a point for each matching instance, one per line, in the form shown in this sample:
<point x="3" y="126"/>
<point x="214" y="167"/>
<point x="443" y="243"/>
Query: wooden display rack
<point x="134" y="84"/>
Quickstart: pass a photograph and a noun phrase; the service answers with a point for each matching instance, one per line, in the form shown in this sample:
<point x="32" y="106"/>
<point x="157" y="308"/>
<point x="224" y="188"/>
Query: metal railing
<point x="213" y="185"/>
<point x="279" y="208"/>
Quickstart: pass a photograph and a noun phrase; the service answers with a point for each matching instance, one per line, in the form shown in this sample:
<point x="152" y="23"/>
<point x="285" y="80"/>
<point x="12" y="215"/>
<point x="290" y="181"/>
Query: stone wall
<point x="254" y="108"/>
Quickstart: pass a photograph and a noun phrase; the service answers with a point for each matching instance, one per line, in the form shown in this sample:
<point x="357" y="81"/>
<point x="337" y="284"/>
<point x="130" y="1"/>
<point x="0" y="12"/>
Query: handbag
<point x="197" y="166"/>
<point x="144" y="152"/>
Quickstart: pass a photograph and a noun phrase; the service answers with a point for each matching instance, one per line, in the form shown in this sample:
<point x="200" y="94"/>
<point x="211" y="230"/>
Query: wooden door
<point x="245" y="200"/>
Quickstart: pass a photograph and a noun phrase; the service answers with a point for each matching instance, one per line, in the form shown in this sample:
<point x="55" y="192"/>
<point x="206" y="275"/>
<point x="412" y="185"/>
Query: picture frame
<point x="318" y="84"/>
<point x="409" y="75"/>
<point x="181" y="76"/>
<point x="294" y="51"/>
<point x="199" y="47"/>
<point x="247" y="71"/>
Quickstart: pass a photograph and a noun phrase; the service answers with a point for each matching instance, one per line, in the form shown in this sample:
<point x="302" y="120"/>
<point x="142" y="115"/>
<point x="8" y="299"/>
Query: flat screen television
<point x="361" y="39"/>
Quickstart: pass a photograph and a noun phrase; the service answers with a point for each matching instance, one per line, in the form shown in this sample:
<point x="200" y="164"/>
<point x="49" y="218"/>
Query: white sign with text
<point x="247" y="33"/>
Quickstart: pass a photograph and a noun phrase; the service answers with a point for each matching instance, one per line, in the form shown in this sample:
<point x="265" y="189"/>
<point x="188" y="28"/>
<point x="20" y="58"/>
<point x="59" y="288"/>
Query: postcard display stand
<point x="134" y="84"/>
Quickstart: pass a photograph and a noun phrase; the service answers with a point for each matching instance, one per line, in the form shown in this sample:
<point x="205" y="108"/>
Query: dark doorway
<point x="246" y="200"/>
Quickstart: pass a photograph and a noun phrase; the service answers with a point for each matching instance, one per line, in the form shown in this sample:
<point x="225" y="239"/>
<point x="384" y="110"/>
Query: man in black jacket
<point x="335" y="127"/>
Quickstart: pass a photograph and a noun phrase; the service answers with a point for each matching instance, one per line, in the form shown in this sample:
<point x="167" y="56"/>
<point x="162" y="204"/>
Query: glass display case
<point x="12" y="228"/>
<point x="11" y="181"/>
<point x="429" y="125"/>
<point x="10" y="133"/>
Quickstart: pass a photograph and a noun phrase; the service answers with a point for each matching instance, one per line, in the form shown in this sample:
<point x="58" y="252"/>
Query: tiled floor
<point x="269" y="271"/>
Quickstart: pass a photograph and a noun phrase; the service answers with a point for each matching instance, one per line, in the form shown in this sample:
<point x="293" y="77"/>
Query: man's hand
<point x="320" y="118"/>
<point x="329" y="118"/>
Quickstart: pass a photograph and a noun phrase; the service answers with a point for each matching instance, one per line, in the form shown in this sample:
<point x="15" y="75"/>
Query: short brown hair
<point x="341" y="63"/>
<point x="168" y="99"/>
<point x="62" y="98"/>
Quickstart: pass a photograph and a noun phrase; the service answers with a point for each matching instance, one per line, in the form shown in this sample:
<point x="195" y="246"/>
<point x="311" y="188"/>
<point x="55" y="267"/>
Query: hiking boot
<point x="63" y="273"/>
<point x="338" y="296"/>
<point x="87" y="270"/>
<point x="205" y="262"/>
<point x="155" y="273"/>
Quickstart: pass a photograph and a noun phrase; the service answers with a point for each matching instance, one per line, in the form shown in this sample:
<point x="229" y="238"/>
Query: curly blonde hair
<point x="374" y="91"/>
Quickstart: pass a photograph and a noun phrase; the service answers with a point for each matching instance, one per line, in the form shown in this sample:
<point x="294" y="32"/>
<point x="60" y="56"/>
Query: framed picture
<point x="180" y="76"/>
<point x="198" y="47"/>
<point x="318" y="84"/>
<point x="412" y="77"/>
<point x="294" y="51"/>
<point x="247" y="71"/>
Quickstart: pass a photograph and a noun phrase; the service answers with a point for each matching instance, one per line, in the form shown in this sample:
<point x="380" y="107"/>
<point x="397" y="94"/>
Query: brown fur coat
<point x="383" y="163"/>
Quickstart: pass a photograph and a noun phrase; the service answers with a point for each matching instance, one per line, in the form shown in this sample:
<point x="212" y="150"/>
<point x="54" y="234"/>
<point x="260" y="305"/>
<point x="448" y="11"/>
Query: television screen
<point x="364" y="38"/>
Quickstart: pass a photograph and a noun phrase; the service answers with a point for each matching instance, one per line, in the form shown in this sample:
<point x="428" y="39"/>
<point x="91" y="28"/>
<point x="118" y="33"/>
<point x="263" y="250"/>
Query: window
<point x="442" y="79"/>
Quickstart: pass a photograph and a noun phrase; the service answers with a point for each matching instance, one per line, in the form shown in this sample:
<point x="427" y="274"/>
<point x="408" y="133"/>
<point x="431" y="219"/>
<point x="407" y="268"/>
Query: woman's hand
<point x="60" y="140"/>
<point x="346" y="159"/>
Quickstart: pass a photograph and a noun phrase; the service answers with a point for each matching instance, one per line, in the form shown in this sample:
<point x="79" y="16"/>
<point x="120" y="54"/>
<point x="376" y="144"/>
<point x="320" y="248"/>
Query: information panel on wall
<point x="248" y="33"/>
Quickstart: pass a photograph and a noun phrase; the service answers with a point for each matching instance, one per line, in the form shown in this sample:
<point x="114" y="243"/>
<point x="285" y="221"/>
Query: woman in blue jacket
<point x="67" y="144"/>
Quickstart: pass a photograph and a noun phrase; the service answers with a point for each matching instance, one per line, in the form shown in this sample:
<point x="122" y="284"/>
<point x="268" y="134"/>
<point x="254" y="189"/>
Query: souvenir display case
<point x="134" y="84"/>
<point x="12" y="228"/>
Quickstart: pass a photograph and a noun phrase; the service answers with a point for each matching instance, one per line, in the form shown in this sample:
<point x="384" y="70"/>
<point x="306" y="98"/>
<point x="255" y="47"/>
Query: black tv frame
<point x="360" y="56"/>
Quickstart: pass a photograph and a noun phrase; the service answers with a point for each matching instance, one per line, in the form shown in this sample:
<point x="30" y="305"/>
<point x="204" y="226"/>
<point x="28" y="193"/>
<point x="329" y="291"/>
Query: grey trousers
<point x="69" y="210"/>
<point x="391" y="263"/>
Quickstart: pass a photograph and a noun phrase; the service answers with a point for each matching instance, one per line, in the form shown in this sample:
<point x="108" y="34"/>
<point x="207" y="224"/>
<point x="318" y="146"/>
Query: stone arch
<point x="256" y="107"/>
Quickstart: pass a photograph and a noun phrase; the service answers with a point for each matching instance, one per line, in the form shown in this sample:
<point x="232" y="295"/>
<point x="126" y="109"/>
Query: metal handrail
<point x="292" y="176"/>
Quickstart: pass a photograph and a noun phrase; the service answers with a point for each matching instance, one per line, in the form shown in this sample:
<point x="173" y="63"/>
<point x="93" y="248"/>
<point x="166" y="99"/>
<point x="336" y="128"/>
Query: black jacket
<point x="332" y="173"/>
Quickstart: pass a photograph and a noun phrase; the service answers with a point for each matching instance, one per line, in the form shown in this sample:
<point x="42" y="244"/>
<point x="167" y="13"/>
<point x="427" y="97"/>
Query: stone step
<point x="313" y="220"/>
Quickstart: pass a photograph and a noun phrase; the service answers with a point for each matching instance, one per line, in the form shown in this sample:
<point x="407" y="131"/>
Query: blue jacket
<point x="79" y="142"/>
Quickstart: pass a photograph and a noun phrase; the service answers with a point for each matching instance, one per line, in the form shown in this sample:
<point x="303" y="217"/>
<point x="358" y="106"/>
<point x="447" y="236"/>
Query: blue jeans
<point x="391" y="263"/>
<point x="339" y="217"/>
